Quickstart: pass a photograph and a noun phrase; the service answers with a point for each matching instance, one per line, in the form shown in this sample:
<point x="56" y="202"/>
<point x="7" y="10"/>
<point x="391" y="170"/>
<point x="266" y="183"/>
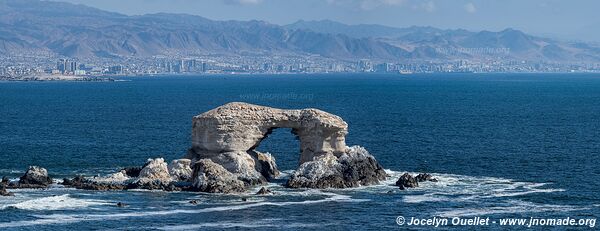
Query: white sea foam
<point x="429" y="197"/>
<point x="483" y="191"/>
<point x="285" y="174"/>
<point x="513" y="206"/>
<point x="11" y="171"/>
<point x="59" y="218"/>
<point x="54" y="203"/>
<point x="455" y="188"/>
<point x="460" y="188"/>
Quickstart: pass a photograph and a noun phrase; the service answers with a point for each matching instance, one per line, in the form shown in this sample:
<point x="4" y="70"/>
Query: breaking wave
<point x="60" y="218"/>
<point x="61" y="202"/>
<point x="478" y="196"/>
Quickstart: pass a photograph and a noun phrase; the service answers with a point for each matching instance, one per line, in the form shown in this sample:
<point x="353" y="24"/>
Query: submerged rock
<point x="3" y="191"/>
<point x="407" y="181"/>
<point x="422" y="177"/>
<point x="354" y="168"/>
<point x="5" y="181"/>
<point x="264" y="191"/>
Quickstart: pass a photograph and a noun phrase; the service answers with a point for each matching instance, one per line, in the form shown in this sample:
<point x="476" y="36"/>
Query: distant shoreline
<point x="118" y="78"/>
<point x="56" y="78"/>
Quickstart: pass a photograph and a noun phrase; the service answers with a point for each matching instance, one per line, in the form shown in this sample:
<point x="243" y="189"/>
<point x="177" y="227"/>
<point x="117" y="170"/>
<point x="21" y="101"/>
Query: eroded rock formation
<point x="35" y="176"/>
<point x="354" y="168"/>
<point x="154" y="175"/>
<point x="223" y="160"/>
<point x="180" y="170"/>
<point x="227" y="136"/>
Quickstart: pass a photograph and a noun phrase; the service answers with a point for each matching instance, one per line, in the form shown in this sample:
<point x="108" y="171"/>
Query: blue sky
<point x="571" y="19"/>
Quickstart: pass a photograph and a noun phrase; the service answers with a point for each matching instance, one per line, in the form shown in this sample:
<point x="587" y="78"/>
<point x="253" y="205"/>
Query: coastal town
<point x="42" y="68"/>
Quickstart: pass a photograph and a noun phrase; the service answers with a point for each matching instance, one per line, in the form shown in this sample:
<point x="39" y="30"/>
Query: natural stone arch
<point x="224" y="140"/>
<point x="240" y="127"/>
<point x="223" y="158"/>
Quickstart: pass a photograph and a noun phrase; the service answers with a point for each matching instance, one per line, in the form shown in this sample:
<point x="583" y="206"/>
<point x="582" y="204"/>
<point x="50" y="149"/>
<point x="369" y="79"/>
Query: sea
<point x="502" y="146"/>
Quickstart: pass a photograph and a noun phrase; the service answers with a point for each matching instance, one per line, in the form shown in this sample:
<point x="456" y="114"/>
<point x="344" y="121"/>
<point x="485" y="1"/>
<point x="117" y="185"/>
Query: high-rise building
<point x="267" y="67"/>
<point x="177" y="68"/>
<point x="382" y="67"/>
<point x="65" y="66"/>
<point x="61" y="65"/>
<point x="365" y="65"/>
<point x="116" y="69"/>
<point x="204" y="67"/>
<point x="73" y="66"/>
<point x="189" y="65"/>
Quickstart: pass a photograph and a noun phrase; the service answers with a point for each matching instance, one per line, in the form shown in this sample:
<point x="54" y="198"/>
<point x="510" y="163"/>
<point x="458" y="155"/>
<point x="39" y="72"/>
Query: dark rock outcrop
<point x="5" y="180"/>
<point x="422" y="177"/>
<point x="154" y="175"/>
<point x="264" y="191"/>
<point x="35" y="177"/>
<point x="407" y="181"/>
<point x="132" y="171"/>
<point x="81" y="182"/>
<point x="153" y="185"/>
<point x="265" y="165"/>
<point x="211" y="177"/>
<point x="3" y="191"/>
<point x="355" y="168"/>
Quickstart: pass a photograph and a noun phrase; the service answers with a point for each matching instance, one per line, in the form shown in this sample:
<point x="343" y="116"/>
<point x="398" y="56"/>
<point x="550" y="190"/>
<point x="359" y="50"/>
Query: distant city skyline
<point x="574" y="20"/>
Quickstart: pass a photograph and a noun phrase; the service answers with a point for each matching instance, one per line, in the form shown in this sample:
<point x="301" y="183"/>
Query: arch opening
<point x="283" y="144"/>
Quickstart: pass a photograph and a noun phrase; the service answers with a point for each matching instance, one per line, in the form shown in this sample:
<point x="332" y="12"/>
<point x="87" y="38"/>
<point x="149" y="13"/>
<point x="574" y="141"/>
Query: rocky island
<point x="223" y="159"/>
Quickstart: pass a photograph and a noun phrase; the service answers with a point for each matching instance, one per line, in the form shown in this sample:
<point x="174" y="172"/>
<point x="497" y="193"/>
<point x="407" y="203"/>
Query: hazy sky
<point x="573" y="19"/>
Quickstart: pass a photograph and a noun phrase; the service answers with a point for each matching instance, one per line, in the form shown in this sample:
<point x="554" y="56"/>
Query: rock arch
<point x="240" y="127"/>
<point x="227" y="136"/>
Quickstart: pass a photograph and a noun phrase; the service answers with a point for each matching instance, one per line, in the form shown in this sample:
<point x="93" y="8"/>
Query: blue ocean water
<point x="502" y="145"/>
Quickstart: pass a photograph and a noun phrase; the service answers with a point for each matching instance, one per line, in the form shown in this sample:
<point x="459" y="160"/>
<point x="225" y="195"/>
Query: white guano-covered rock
<point x="180" y="170"/>
<point x="155" y="170"/>
<point x="35" y="176"/>
<point x="115" y="178"/>
<point x="354" y="168"/>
